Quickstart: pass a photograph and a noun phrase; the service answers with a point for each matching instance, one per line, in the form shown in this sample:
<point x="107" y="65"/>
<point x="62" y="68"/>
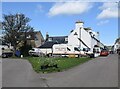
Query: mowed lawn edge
<point x="63" y="63"/>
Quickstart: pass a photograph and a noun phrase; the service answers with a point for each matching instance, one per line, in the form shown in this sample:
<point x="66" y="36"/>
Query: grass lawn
<point x="63" y="63"/>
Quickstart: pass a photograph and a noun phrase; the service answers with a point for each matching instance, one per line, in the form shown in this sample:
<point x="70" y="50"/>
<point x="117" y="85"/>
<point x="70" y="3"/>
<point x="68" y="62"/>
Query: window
<point x="68" y="49"/>
<point x="97" y="50"/>
<point x="29" y="36"/>
<point x="0" y="41"/>
<point x="76" y="49"/>
<point x="94" y="50"/>
<point x="66" y="39"/>
<point x="49" y="39"/>
<point x="75" y="33"/>
<point x="36" y="37"/>
<point x="71" y="31"/>
<point x="84" y="49"/>
<point x="33" y="49"/>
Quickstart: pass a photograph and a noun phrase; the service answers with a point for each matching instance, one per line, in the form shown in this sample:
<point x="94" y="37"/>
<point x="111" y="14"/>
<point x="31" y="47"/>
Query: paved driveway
<point x="99" y="72"/>
<point x="19" y="73"/>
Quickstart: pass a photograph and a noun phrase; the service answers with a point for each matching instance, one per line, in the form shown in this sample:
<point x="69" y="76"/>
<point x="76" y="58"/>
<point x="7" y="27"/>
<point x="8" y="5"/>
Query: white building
<point x="117" y="44"/>
<point x="84" y="38"/>
<point x="81" y="38"/>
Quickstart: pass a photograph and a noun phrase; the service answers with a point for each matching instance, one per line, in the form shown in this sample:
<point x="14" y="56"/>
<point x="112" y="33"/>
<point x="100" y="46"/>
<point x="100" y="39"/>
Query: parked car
<point x="111" y="52"/>
<point x="118" y="51"/>
<point x="36" y="52"/>
<point x="104" y="53"/>
<point x="7" y="54"/>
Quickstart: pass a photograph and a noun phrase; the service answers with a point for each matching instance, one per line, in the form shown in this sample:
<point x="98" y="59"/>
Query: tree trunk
<point x="25" y="39"/>
<point x="14" y="49"/>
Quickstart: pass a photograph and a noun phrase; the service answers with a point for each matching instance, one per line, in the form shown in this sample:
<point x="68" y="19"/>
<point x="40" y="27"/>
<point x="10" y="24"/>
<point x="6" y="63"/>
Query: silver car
<point x="36" y="52"/>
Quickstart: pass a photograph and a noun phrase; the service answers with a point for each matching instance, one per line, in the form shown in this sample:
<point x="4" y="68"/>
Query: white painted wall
<point x="86" y="38"/>
<point x="93" y="43"/>
<point x="116" y="46"/>
<point x="83" y="35"/>
<point x="73" y="39"/>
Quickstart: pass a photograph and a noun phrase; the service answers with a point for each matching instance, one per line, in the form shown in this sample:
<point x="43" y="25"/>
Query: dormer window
<point x="75" y="33"/>
<point x="49" y="39"/>
<point x="71" y="31"/>
<point x="66" y="39"/>
<point x="29" y="36"/>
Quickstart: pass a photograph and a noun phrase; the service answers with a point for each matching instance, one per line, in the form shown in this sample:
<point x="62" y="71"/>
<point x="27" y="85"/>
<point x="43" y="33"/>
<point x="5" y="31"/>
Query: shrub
<point x="48" y="61"/>
<point x="24" y="50"/>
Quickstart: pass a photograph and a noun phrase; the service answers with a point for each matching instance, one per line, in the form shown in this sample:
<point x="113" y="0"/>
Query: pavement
<point x="99" y="72"/>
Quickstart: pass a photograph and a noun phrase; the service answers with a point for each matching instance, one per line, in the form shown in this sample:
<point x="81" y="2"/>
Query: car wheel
<point x="4" y="55"/>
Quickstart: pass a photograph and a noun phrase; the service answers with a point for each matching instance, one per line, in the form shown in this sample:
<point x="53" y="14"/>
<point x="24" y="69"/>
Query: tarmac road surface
<point x="99" y="72"/>
<point x="0" y="73"/>
<point x="19" y="73"/>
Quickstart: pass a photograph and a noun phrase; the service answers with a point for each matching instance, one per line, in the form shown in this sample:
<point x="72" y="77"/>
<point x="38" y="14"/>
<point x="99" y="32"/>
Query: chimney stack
<point x="79" y="24"/>
<point x="47" y="36"/>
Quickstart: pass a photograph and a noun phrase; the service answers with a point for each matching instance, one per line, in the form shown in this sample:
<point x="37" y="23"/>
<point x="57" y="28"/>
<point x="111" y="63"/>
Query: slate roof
<point x="59" y="39"/>
<point x="55" y="40"/>
<point x="47" y="45"/>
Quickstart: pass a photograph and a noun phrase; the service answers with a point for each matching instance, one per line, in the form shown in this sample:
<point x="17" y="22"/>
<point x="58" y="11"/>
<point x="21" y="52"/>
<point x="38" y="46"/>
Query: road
<point x="99" y="72"/>
<point x="0" y="73"/>
<point x="19" y="73"/>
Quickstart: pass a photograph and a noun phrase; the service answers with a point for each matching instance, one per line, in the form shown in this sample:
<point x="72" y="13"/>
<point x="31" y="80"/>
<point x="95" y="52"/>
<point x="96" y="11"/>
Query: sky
<point x="58" y="18"/>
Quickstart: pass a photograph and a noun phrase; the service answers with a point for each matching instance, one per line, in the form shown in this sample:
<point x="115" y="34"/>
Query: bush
<point x="48" y="61"/>
<point x="24" y="50"/>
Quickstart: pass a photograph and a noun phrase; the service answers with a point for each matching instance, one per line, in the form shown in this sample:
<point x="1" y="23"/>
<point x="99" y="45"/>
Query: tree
<point x="15" y="27"/>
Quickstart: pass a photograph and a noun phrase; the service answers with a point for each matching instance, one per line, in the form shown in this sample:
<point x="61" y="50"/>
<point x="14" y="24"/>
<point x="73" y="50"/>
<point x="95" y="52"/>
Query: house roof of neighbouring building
<point x="47" y="44"/>
<point x="117" y="40"/>
<point x="87" y="29"/>
<point x="58" y="39"/>
<point x="54" y="40"/>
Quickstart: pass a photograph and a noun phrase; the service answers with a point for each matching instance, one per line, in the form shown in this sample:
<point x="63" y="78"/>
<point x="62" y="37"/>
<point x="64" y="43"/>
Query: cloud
<point x="109" y="10"/>
<point x="69" y="8"/>
<point x="103" y="22"/>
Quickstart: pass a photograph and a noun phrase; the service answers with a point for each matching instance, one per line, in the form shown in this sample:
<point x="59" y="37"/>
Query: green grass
<point x="63" y="63"/>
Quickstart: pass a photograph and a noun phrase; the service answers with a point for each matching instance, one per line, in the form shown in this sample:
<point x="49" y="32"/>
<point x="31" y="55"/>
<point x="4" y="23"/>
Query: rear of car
<point x="104" y="53"/>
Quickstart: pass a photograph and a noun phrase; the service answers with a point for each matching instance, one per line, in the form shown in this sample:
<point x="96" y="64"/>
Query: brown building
<point x="35" y="38"/>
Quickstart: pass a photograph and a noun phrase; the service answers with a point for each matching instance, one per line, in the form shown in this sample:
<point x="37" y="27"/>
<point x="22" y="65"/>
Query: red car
<point x="104" y="53"/>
